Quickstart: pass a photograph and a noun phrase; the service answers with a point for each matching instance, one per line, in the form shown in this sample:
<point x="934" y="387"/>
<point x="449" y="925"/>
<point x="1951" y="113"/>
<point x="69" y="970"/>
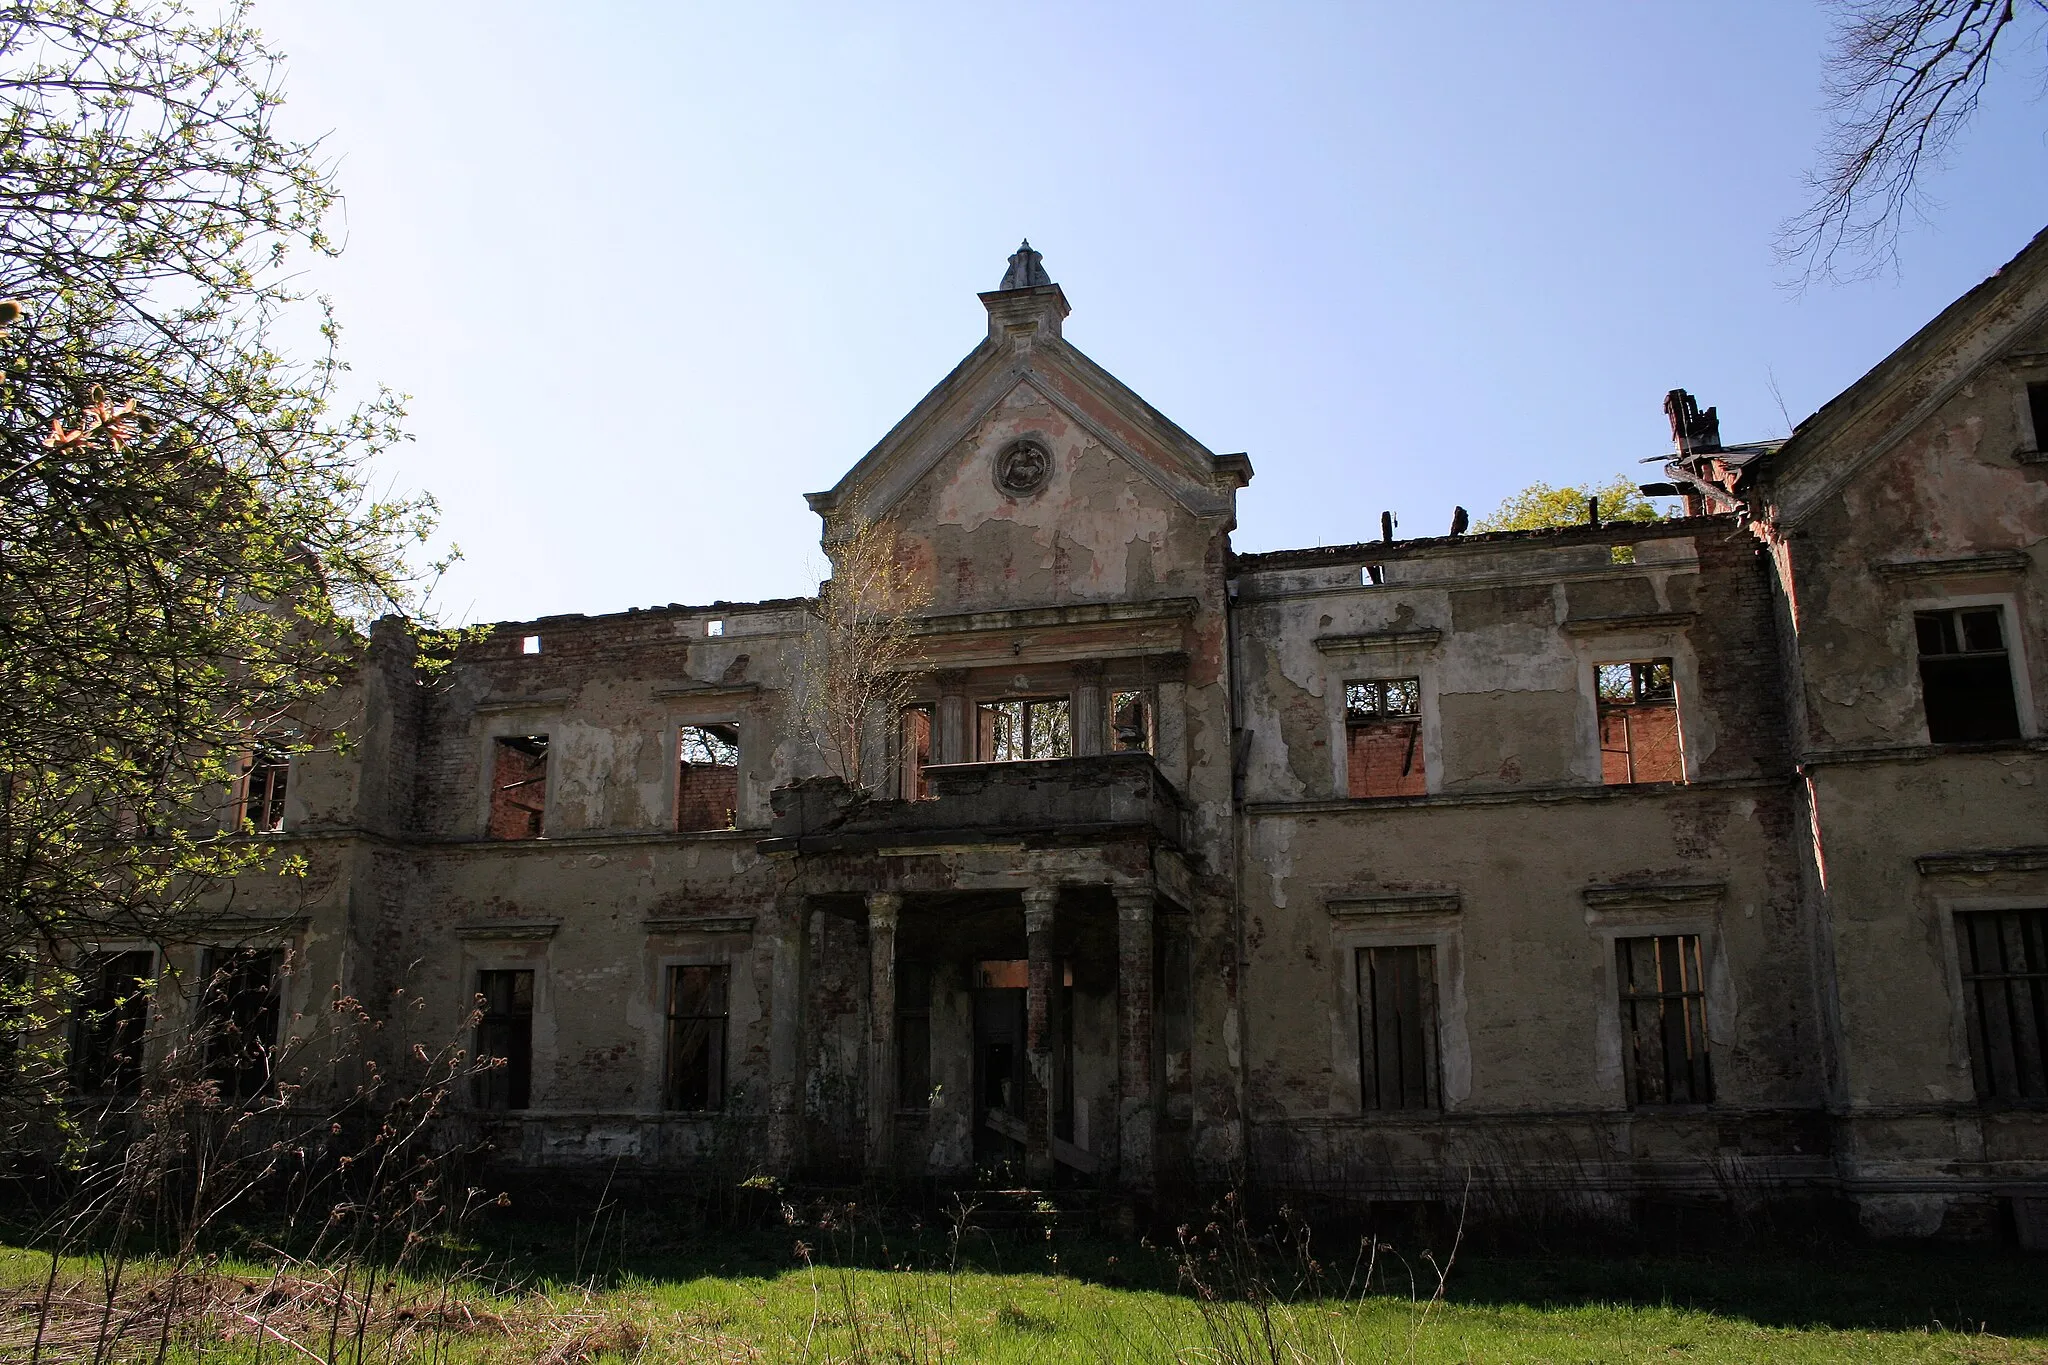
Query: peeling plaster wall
<point x="1515" y="828"/>
<point x="1932" y="496"/>
<point x="1819" y="846"/>
<point x="1098" y="531"/>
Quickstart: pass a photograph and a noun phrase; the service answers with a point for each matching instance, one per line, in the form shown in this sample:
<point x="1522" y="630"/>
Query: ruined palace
<point x="1700" y="859"/>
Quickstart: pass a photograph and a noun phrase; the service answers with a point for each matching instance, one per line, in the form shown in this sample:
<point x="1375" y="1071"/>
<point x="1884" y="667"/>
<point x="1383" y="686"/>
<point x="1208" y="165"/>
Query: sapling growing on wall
<point x="857" y="670"/>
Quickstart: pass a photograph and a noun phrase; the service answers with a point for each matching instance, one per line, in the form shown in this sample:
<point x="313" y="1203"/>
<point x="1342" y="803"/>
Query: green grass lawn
<point x="744" y="1297"/>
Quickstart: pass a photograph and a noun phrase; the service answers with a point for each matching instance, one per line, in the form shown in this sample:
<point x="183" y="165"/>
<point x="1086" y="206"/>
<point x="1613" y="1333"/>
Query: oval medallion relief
<point x="1023" y="468"/>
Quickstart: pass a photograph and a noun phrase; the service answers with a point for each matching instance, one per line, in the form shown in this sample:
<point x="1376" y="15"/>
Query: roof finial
<point x="1026" y="270"/>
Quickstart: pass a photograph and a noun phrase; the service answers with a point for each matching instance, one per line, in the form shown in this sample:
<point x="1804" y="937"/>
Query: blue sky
<point x="650" y="272"/>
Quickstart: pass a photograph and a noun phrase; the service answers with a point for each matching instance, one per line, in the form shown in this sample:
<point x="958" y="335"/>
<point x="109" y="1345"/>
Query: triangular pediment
<point x="1988" y="327"/>
<point x="1056" y="374"/>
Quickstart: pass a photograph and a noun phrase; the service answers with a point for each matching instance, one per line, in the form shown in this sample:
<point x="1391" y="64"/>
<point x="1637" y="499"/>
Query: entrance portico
<point x="1013" y="978"/>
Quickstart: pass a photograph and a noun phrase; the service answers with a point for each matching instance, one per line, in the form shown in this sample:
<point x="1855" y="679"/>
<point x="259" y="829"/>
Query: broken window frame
<point x="707" y="1023"/>
<point x="1390" y="706"/>
<point x="914" y="982"/>
<point x="240" y="1008"/>
<point x="110" y="1025"/>
<point x="2002" y="956"/>
<point x="1667" y="1007"/>
<point x="1984" y="707"/>
<point x="913" y="757"/>
<point x="1399" y="1018"/>
<point x="505" y="1001"/>
<point x="535" y="826"/>
<point x="1650" y="684"/>
<point x="701" y="745"/>
<point x="2037" y="412"/>
<point x="261" y="788"/>
<point x="1132" y="721"/>
<point x="1055" y="731"/>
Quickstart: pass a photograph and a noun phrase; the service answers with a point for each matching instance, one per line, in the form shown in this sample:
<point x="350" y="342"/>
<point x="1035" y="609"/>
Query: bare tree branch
<point x="1904" y="80"/>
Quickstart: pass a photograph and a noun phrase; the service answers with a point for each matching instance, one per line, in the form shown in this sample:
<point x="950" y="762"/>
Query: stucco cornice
<point x="1374" y="641"/>
<point x="701" y="924"/>
<point x="537" y="701"/>
<point x="507" y="933"/>
<point x="1653" y="896"/>
<point x="1652" y="620"/>
<point x="1989" y="562"/>
<point x="745" y="692"/>
<point x="1363" y="904"/>
<point x="1983" y="862"/>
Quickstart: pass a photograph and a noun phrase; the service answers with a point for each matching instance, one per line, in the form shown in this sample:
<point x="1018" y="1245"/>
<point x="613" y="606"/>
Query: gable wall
<point x="1930" y="495"/>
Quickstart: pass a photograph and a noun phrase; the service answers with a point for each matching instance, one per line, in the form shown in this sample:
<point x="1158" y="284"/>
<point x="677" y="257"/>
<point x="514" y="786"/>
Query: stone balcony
<point x="1097" y="799"/>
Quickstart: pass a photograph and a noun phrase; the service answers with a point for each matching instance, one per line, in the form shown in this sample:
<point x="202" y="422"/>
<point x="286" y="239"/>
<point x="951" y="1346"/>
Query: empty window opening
<point x="696" y="1038"/>
<point x="1373" y="575"/>
<point x="1383" y="738"/>
<point x="1026" y="728"/>
<point x="1621" y="554"/>
<point x="2037" y="408"/>
<point x="913" y="1035"/>
<point x="914" y="753"/>
<point x="504" y="1038"/>
<point x="264" y="775"/>
<point x="1176" y="1024"/>
<point x="107" y="1032"/>
<point x="1966" y="676"/>
<point x="2004" y="957"/>
<point x="238" y="1019"/>
<point x="1397" y="1027"/>
<point x="19" y="1017"/>
<point x="1130" y="723"/>
<point x="714" y="627"/>
<point x="1639" y="739"/>
<point x="530" y="645"/>
<point x="519" y="787"/>
<point x="1664" y="1020"/>
<point x="708" y="777"/>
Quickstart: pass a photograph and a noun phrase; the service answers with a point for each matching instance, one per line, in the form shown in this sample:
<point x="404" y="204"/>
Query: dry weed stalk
<point x="351" y="1168"/>
<point x="1271" y="1300"/>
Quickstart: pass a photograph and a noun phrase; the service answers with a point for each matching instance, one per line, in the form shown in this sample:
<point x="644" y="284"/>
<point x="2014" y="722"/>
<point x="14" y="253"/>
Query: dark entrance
<point x="999" y="1065"/>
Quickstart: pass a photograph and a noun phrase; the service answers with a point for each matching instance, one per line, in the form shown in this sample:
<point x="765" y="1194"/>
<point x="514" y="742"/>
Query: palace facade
<point x="1703" y="859"/>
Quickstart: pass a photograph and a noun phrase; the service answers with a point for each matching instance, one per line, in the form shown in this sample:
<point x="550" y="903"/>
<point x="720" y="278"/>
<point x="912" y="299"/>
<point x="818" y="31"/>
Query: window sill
<point x="1673" y="1110"/>
<point x="1917" y="753"/>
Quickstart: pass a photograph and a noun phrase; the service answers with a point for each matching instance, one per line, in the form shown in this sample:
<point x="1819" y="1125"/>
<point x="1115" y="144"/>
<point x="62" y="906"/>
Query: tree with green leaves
<point x="1539" y="506"/>
<point x="189" y="546"/>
